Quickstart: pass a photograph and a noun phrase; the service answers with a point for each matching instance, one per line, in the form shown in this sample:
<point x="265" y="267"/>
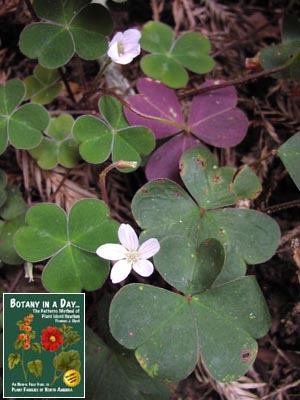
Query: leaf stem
<point x="280" y="207"/>
<point x="102" y="177"/>
<point x="232" y="82"/>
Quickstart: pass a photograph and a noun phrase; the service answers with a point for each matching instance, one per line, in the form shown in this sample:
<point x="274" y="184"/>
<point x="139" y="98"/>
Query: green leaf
<point x="221" y="323"/>
<point x="60" y="11"/>
<point x="72" y="270"/>
<point x="45" y="233"/>
<point x="13" y="215"/>
<point x="70" y="242"/>
<point x="164" y="69"/>
<point x="25" y="126"/>
<point x="43" y="86"/>
<point x="162" y="208"/>
<point x="289" y="153"/>
<point x="90" y="226"/>
<point x="52" y="45"/>
<point x="98" y="139"/>
<point x="156" y="37"/>
<point x="75" y="25"/>
<point x="13" y="360"/>
<point x="170" y="57"/>
<point x="285" y="54"/>
<point x="94" y="137"/>
<point x="214" y="187"/>
<point x="112" y="111"/>
<point x="60" y="127"/>
<point x="192" y="268"/>
<point x="191" y="50"/>
<point x="89" y="28"/>
<point x="3" y="135"/>
<point x="60" y="147"/>
<point x="11" y="95"/>
<point x="67" y="360"/>
<point x="246" y="184"/>
<point x="119" y="366"/>
<point x="45" y="154"/>
<point x="35" y="367"/>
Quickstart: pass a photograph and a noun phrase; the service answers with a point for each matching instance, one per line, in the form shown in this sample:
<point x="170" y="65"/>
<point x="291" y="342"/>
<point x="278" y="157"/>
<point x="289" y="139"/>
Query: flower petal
<point x="120" y="271"/>
<point x="131" y="36"/>
<point x="149" y="248"/>
<point x="113" y="52"/>
<point x="143" y="268"/>
<point x="128" y="238"/>
<point x="111" y="251"/>
<point x="118" y="36"/>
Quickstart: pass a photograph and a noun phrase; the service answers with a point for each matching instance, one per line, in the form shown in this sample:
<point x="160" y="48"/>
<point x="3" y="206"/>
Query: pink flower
<point x="124" y="47"/>
<point x="129" y="254"/>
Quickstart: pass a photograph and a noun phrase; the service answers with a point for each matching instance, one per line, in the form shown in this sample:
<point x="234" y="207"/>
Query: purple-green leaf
<point x="215" y="119"/>
<point x="155" y="100"/>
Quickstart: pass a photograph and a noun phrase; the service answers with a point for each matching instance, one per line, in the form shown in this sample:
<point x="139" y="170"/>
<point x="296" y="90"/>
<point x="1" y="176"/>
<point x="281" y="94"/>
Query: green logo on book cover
<point x="43" y="345"/>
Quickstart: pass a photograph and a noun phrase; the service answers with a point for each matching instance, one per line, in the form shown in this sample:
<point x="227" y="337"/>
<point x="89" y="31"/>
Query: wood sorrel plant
<point x="210" y="310"/>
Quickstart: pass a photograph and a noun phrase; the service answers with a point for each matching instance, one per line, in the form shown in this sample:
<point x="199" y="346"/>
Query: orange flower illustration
<point x="51" y="338"/>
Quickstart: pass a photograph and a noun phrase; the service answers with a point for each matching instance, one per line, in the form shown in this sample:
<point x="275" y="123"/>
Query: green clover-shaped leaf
<point x="220" y="323"/>
<point x="22" y="126"/>
<point x="59" y="146"/>
<point x="164" y="209"/>
<point x="100" y="138"/>
<point x="74" y="26"/>
<point x="70" y="241"/>
<point x="12" y="217"/>
<point x="286" y="54"/>
<point x="289" y="153"/>
<point x="169" y="58"/>
<point x="43" y="86"/>
<point x="119" y="366"/>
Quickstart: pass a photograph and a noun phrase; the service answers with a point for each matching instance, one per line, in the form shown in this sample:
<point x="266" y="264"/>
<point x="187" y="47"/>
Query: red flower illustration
<point x="51" y="338"/>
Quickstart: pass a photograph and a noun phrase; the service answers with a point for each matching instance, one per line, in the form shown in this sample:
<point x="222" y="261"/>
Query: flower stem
<point x="101" y="71"/>
<point x="23" y="366"/>
<point x="102" y="177"/>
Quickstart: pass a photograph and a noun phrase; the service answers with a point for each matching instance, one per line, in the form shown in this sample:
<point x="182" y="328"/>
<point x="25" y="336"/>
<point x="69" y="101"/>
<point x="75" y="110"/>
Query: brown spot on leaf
<point x="206" y="243"/>
<point x="182" y="168"/>
<point x="200" y="161"/>
<point x="215" y="178"/>
<point x="130" y="334"/>
<point x="176" y="194"/>
<point x="222" y="231"/>
<point x="144" y="191"/>
<point x="246" y="356"/>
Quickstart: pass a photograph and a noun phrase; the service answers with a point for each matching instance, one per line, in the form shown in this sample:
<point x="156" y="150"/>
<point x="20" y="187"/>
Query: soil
<point x="238" y="30"/>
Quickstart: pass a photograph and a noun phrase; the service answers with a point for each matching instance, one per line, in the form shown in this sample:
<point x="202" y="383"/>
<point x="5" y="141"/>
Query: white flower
<point x="124" y="47"/>
<point x="129" y="255"/>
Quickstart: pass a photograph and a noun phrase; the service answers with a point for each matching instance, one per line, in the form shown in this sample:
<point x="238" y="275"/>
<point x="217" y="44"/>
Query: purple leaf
<point x="155" y="99"/>
<point x="164" y="162"/>
<point x="215" y="119"/>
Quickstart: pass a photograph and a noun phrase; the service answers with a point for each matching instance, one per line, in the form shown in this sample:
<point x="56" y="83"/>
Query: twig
<point x="281" y="389"/>
<point x="31" y="10"/>
<point x="280" y="207"/>
<point x="66" y="83"/>
<point x="60" y="185"/>
<point x="237" y="81"/>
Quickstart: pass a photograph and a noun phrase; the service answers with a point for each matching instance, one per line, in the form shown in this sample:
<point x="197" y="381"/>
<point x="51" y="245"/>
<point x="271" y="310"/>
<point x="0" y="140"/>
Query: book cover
<point x="43" y="345"/>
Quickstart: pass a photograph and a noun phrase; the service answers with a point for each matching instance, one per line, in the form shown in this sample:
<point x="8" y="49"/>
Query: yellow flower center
<point x="52" y="339"/>
<point x="132" y="256"/>
<point x="121" y="48"/>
